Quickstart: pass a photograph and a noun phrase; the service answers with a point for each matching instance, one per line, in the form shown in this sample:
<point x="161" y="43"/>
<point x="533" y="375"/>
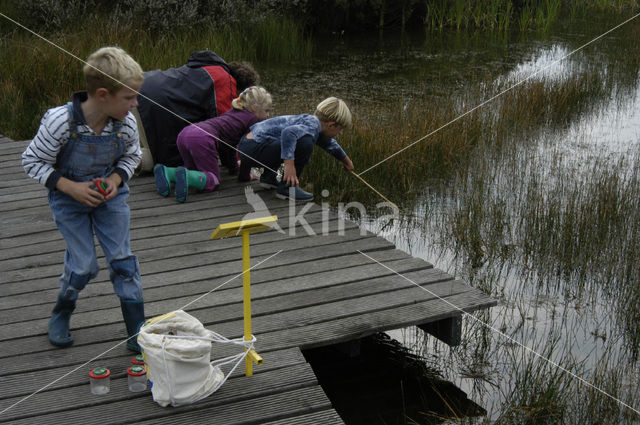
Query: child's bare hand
<point x="113" y="181"/>
<point x="81" y="192"/>
<point x="290" y="177"/>
<point x="347" y="164"/>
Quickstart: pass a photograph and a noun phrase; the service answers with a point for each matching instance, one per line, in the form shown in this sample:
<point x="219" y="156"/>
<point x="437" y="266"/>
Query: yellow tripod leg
<point x="246" y="298"/>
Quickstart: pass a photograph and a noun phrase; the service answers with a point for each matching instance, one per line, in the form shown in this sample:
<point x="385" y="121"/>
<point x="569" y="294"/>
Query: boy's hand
<point x="81" y="192"/>
<point x="347" y="164"/>
<point x="290" y="177"/>
<point x="113" y="182"/>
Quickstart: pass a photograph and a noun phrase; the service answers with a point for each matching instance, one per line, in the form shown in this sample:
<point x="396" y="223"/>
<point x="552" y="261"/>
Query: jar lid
<point x="136" y="370"/>
<point x="99" y="373"/>
<point x="137" y="359"/>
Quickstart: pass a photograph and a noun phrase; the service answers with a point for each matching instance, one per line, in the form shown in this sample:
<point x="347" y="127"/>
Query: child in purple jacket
<point x="201" y="143"/>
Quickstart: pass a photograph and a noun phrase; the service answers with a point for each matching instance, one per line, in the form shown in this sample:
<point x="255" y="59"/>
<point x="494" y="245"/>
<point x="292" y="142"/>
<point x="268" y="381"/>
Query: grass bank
<point x="37" y="76"/>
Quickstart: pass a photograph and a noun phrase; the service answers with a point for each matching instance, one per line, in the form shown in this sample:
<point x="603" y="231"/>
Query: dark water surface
<point x="568" y="316"/>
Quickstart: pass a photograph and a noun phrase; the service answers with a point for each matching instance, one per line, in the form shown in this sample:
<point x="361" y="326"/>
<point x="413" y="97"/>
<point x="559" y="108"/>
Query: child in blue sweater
<point x="291" y="139"/>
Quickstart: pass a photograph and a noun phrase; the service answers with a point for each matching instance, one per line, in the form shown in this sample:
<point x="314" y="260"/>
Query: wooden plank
<point x="84" y="323"/>
<point x="221" y="247"/>
<point x="122" y="406"/>
<point x="147" y="238"/>
<point x="173" y="245"/>
<point x="357" y="269"/>
<point x="318" y="291"/>
<point x="12" y="202"/>
<point x="260" y="410"/>
<point x="190" y="268"/>
<point x="331" y="332"/>
<point x="21" y="384"/>
<point x="266" y="299"/>
<point x="218" y="274"/>
<point x="163" y="220"/>
<point x="265" y="326"/>
<point x="327" y="417"/>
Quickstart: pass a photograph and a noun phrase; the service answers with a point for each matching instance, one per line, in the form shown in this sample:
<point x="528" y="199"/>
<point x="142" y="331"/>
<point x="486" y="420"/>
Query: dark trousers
<point x="267" y="154"/>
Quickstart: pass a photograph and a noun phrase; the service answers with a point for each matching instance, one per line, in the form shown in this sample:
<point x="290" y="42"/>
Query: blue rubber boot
<point x="59" y="334"/>
<point x="164" y="177"/>
<point x="186" y="179"/>
<point x="133" y="314"/>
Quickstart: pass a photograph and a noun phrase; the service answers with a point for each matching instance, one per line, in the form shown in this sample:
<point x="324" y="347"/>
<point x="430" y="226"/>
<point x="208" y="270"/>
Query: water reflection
<point x="576" y="305"/>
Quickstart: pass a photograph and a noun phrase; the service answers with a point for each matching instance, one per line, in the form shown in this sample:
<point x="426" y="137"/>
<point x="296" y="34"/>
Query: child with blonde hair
<point x="290" y="139"/>
<point x="201" y="143"/>
<point x="84" y="153"/>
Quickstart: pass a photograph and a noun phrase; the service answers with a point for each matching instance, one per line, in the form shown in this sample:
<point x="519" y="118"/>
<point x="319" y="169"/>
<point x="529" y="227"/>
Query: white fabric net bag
<point x="177" y="353"/>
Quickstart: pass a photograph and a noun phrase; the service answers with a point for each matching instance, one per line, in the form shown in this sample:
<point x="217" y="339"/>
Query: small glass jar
<point x="100" y="380"/>
<point x="137" y="360"/>
<point x="137" y="378"/>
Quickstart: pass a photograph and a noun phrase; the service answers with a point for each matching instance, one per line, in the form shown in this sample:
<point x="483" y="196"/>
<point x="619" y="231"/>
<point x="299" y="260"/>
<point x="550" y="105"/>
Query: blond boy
<point x="290" y="139"/>
<point x="84" y="153"/>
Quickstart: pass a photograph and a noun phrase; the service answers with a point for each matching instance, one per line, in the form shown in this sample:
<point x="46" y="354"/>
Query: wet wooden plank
<point x="22" y="383"/>
<point x="263" y="397"/>
<point x="319" y="290"/>
<point x="328" y="417"/>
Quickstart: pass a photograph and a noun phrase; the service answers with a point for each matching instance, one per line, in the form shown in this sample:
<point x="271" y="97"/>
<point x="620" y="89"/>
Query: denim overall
<point x="82" y="159"/>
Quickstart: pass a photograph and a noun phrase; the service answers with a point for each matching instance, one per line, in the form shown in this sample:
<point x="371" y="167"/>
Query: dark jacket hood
<point x="201" y="58"/>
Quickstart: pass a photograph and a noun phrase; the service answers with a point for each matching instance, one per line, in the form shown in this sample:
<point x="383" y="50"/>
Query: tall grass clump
<point x="37" y="76"/>
<point x="491" y="15"/>
<point x="281" y="40"/>
<point x="500" y="15"/>
<point x="380" y="133"/>
<point x="538" y="388"/>
<point x="403" y="140"/>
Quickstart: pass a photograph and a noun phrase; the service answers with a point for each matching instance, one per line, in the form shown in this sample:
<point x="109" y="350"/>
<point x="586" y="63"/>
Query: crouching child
<point x="290" y="139"/>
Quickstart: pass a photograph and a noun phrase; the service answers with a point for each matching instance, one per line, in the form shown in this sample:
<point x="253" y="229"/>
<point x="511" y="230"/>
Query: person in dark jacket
<point x="171" y="99"/>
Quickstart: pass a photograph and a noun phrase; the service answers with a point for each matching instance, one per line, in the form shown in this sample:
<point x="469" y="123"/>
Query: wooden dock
<point x="318" y="290"/>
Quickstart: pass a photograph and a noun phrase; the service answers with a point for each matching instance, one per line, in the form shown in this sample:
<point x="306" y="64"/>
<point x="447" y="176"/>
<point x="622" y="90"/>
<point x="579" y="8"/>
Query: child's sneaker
<point x="268" y="180"/>
<point x="293" y="192"/>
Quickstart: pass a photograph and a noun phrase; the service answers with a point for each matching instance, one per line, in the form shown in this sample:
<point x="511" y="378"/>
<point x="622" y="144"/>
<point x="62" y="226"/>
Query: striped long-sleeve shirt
<point x="39" y="159"/>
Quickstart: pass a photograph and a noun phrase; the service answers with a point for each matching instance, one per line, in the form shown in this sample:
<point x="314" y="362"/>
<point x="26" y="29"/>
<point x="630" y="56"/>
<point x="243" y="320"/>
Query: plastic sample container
<point x="137" y="360"/>
<point x="100" y="380"/>
<point x="137" y="378"/>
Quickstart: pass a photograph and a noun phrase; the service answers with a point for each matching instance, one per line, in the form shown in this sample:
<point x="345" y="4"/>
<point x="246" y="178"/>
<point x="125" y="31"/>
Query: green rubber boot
<point x="164" y="177"/>
<point x="186" y="179"/>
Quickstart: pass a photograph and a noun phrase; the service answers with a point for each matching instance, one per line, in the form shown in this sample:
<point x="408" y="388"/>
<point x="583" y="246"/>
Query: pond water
<point x="581" y="314"/>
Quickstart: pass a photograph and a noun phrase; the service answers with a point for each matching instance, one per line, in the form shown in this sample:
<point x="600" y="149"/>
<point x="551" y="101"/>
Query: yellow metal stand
<point x="245" y="228"/>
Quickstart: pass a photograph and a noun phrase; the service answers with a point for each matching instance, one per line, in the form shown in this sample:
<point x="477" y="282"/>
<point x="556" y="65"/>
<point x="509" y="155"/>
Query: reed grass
<point x="500" y="15"/>
<point x="379" y="133"/>
<point x="37" y="76"/>
<point x="491" y="15"/>
<point x="512" y="202"/>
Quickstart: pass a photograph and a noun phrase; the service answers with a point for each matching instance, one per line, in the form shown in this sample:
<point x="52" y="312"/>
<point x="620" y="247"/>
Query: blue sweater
<point x="287" y="129"/>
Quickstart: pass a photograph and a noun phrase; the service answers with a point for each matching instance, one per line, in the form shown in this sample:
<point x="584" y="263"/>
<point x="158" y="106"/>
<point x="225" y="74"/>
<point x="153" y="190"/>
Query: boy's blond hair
<point x="254" y="95"/>
<point x="111" y="68"/>
<point x="334" y="109"/>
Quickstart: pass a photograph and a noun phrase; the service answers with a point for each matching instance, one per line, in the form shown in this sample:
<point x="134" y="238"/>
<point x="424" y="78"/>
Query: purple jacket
<point x="230" y="126"/>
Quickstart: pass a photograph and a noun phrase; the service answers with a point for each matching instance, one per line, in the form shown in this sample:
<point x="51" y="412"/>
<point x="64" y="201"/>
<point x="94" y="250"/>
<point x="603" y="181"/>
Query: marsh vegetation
<point x="532" y="197"/>
<point x="515" y="161"/>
